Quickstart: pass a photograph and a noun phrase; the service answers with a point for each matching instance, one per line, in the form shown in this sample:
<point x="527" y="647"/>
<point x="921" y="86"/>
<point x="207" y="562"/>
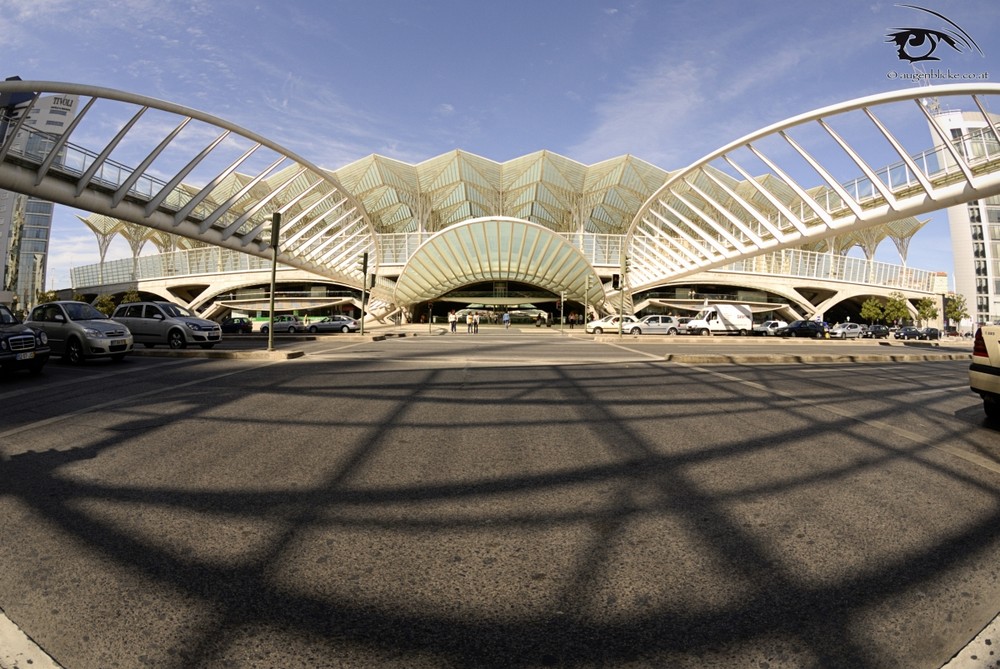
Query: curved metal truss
<point x="760" y="193"/>
<point x="184" y="172"/>
<point x="497" y="249"/>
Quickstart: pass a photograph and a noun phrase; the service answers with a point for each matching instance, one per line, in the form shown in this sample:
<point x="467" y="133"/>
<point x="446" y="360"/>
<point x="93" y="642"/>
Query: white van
<point x="722" y="319"/>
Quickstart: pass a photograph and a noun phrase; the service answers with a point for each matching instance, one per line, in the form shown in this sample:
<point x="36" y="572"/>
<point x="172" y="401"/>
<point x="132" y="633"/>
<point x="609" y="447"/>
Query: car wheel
<point x="598" y="330"/>
<point x="313" y="329"/>
<point x="991" y="406"/>
<point x="794" y="334"/>
<point x="705" y="332"/>
<point x="345" y="329"/>
<point x="635" y="331"/>
<point x="264" y="330"/>
<point x="743" y="333"/>
<point x="74" y="351"/>
<point x="175" y="339"/>
<point x="672" y="331"/>
<point x="291" y="329"/>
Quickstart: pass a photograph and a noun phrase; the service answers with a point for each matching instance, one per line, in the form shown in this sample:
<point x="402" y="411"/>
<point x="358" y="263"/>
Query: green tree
<point x="105" y="304"/>
<point x="45" y="296"/>
<point x="955" y="308"/>
<point x="896" y="309"/>
<point x="871" y="310"/>
<point x="926" y="310"/>
<point x="130" y="296"/>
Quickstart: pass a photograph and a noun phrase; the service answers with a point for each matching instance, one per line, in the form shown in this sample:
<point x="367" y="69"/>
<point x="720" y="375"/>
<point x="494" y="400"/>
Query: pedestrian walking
<point x="506" y="320"/>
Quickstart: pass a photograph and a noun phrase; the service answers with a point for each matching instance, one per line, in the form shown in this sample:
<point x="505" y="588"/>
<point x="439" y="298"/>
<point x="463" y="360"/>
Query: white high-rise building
<point x="26" y="222"/>
<point x="975" y="226"/>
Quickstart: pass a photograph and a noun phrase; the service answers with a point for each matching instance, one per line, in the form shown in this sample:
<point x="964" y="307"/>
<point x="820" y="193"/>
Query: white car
<point x="630" y="325"/>
<point x="767" y="328"/>
<point x="984" y="372"/>
<point x="847" y="331"/>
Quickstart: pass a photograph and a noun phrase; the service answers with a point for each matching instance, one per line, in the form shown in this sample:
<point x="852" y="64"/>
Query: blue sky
<point x="336" y="81"/>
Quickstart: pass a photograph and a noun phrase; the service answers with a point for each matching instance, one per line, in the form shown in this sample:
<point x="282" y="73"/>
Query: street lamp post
<point x="275" y="226"/>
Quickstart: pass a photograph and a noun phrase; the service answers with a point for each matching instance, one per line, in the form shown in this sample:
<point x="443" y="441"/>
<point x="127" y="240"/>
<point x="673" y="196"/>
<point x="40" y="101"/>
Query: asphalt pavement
<point x="518" y="498"/>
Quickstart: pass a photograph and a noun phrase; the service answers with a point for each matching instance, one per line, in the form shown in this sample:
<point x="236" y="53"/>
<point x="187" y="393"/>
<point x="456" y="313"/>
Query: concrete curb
<point x="18" y="651"/>
<point x="779" y="358"/>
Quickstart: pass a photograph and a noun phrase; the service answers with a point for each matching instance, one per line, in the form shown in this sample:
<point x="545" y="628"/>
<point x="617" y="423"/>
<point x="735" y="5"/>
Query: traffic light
<point x="363" y="264"/>
<point x="616" y="281"/>
<point x="626" y="264"/>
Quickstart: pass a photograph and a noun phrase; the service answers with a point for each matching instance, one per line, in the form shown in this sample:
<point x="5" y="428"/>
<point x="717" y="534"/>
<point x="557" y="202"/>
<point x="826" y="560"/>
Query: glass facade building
<point x="26" y="222"/>
<point x="975" y="226"/>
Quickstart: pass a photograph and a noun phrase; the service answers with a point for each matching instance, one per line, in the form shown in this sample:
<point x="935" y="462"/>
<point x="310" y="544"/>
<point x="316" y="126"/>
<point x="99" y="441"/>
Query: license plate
<point x="27" y="355"/>
<point x="117" y="342"/>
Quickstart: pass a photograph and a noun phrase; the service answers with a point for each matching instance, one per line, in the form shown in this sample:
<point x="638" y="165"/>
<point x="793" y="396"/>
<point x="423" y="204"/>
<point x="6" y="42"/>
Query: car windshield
<point x="80" y="311"/>
<point x="171" y="309"/>
<point x="6" y="317"/>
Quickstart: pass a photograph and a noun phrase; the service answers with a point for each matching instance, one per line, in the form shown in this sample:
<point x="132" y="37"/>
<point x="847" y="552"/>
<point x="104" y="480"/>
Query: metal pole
<point x="621" y="294"/>
<point x="275" y="226"/>
<point x="364" y="287"/>
<point x="562" y="311"/>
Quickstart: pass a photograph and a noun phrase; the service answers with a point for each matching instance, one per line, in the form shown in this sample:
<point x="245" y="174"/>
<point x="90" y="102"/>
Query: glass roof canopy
<point x="497" y="249"/>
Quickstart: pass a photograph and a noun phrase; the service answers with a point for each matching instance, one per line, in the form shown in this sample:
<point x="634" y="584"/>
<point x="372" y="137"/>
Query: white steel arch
<point x="174" y="169"/>
<point x="497" y="248"/>
<point x="759" y="193"/>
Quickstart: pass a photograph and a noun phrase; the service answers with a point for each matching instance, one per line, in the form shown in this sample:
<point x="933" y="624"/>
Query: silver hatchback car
<point x="167" y="323"/>
<point x="77" y="331"/>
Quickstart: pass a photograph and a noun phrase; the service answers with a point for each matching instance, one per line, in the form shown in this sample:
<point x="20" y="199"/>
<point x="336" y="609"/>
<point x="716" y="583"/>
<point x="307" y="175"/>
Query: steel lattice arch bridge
<point x="841" y="176"/>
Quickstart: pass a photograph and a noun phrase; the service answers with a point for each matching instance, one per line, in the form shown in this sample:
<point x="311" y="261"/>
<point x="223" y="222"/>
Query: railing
<point x="74" y="161"/>
<point x="829" y="267"/>
<point x="978" y="147"/>
<point x="787" y="263"/>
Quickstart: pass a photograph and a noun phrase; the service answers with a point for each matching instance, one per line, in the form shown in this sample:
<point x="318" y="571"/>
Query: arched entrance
<point x="500" y="252"/>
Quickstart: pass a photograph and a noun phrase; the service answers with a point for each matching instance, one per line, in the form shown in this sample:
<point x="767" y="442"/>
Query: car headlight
<point x="93" y="333"/>
<point x="3" y="344"/>
<point x="43" y="338"/>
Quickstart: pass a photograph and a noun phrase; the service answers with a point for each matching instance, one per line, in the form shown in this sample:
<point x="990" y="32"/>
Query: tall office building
<point x="26" y="222"/>
<point x="975" y="226"/>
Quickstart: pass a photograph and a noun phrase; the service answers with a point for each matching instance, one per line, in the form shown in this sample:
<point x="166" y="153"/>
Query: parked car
<point x="153" y="323"/>
<point x="813" y="329"/>
<point x="768" y="328"/>
<point x="907" y="332"/>
<point x="846" y="331"/>
<point x="610" y="324"/>
<point x="876" y="331"/>
<point x="930" y="333"/>
<point x="77" y="331"/>
<point x="236" y="325"/>
<point x="21" y="347"/>
<point x="285" y="323"/>
<point x="334" y="324"/>
<point x="984" y="372"/>
<point x="657" y="324"/>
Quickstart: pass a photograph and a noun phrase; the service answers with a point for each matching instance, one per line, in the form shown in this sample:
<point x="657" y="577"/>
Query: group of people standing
<point x="472" y="321"/>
